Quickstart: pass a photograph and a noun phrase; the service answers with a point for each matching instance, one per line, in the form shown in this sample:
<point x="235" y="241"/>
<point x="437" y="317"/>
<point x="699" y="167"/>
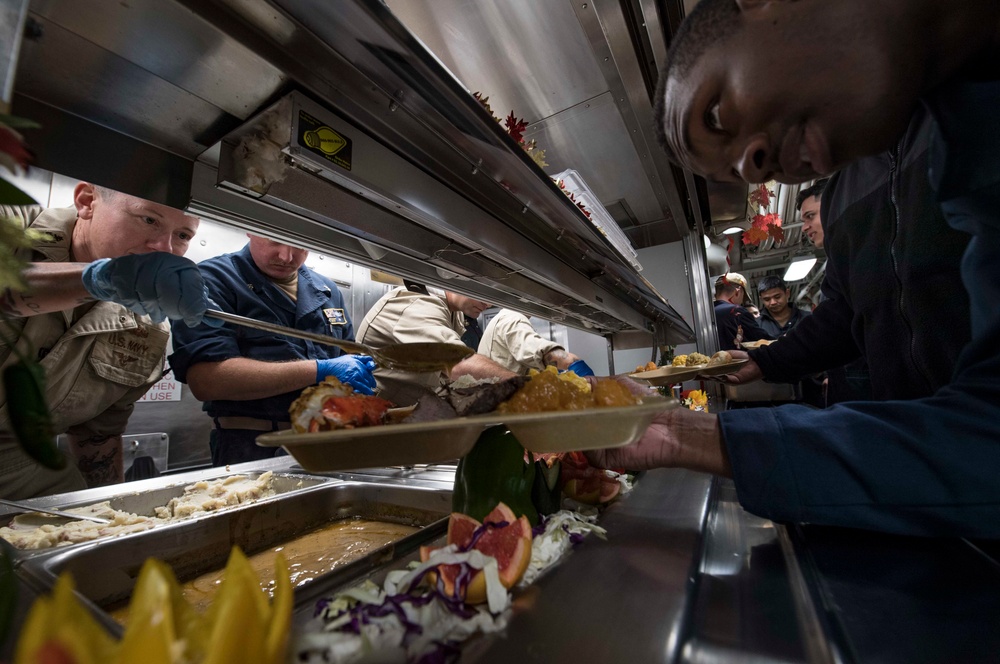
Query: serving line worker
<point x="511" y="341"/>
<point x="99" y="287"/>
<point x="925" y="466"/>
<point x="248" y="378"/>
<point x="404" y="316"/>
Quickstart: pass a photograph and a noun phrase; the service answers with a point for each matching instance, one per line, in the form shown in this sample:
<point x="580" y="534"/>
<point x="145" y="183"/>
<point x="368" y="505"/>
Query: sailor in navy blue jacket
<point x="248" y="378"/>
<point x="733" y="322"/>
<point x="923" y="466"/>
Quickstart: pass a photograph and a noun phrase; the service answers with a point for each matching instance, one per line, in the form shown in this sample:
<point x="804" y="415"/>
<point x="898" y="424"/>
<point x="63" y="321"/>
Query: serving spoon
<point x="65" y="515"/>
<point x="415" y="358"/>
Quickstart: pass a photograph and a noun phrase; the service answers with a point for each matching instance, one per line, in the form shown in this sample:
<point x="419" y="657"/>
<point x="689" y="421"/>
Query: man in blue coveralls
<point x="249" y="378"/>
<point x="836" y="82"/>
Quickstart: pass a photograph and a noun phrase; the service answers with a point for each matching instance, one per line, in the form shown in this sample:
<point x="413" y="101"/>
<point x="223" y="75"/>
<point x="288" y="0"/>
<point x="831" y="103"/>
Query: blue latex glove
<point x="353" y="370"/>
<point x="580" y="368"/>
<point x="158" y="284"/>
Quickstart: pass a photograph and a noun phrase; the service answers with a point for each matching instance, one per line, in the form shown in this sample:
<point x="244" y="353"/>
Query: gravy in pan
<point x="308" y="556"/>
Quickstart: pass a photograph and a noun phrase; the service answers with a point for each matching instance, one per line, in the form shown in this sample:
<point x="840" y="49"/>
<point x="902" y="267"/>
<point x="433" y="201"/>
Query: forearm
<point x="479" y="366"/>
<point x="99" y="459"/>
<point x="677" y="438"/>
<point x="820" y="342"/>
<point x="698" y="442"/>
<point x="243" y="379"/>
<point x="51" y="287"/>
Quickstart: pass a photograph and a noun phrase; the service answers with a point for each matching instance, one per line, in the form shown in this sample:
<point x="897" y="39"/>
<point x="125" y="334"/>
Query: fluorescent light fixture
<point x="799" y="269"/>
<point x="732" y="230"/>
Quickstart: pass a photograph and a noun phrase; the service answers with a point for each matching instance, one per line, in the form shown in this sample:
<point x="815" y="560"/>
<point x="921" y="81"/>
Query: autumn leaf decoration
<point x="761" y="197"/>
<point x="763" y="224"/>
<point x="515" y="127"/>
<point x="583" y="208"/>
<point x="762" y="227"/>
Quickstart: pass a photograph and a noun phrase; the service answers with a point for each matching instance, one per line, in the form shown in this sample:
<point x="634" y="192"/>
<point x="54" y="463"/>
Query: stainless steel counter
<point x="687" y="576"/>
<point x="624" y="600"/>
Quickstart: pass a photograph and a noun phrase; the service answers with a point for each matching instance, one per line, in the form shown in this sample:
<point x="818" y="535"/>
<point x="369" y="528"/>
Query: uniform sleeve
<point x="193" y="345"/>
<point x="819" y="342"/>
<point x="921" y="467"/>
<point x="740" y="318"/>
<point x="525" y="345"/>
<point x="425" y="319"/>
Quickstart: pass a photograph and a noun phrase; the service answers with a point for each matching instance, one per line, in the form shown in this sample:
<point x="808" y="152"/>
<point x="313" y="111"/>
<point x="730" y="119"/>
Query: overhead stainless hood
<point x="153" y="96"/>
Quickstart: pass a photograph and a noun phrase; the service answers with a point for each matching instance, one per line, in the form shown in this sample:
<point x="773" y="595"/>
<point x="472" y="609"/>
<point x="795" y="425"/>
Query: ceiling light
<point x="732" y="230"/>
<point x="799" y="269"/>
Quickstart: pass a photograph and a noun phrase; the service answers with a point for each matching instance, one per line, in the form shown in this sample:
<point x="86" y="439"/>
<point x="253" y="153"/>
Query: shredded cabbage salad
<point x="405" y="620"/>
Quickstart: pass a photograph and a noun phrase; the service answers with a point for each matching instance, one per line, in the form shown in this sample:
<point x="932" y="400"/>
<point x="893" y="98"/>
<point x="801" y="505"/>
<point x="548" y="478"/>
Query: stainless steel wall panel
<point x="73" y="146"/>
<point x="174" y="45"/>
<point x="68" y="71"/>
<point x="607" y="29"/>
<point x="591" y="136"/>
<point x="528" y="56"/>
<point x="573" y="81"/>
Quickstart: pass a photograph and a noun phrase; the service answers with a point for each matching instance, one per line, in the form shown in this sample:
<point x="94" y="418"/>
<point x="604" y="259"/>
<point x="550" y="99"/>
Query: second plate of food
<point x="673" y="375"/>
<point x="589" y="429"/>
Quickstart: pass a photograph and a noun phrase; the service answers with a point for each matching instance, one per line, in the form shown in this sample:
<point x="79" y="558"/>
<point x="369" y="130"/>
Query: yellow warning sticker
<point x="324" y="141"/>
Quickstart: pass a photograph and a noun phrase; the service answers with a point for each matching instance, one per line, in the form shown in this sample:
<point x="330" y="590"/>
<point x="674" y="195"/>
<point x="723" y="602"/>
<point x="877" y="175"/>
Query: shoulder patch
<point x="335" y="316"/>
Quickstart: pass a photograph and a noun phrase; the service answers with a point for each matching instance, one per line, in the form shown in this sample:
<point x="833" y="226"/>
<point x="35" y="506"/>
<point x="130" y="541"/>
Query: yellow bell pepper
<point x="240" y="625"/>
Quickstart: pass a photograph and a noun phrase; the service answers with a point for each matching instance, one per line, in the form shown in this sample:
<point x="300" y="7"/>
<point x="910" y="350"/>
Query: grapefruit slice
<point x="510" y="545"/>
<point x="585" y="483"/>
<point x="584" y="490"/>
<point x="461" y="529"/>
<point x="609" y="489"/>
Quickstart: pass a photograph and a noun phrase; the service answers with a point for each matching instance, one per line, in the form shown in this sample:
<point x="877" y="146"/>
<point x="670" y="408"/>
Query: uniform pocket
<point x="129" y="357"/>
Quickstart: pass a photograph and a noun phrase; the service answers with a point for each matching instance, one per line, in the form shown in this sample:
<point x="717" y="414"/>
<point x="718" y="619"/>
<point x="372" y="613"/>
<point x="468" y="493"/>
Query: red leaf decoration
<point x="762" y="226"/>
<point x="761" y="196"/>
<point x="754" y="235"/>
<point x="515" y="127"/>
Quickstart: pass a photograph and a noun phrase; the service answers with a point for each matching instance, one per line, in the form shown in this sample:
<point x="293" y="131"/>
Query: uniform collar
<point x="796" y="314"/>
<point x="58" y="223"/>
<point x="311" y="295"/>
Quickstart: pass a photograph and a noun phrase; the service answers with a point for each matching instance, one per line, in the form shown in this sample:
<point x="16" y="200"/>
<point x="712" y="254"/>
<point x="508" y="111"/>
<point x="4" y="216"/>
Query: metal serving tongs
<point x="415" y="358"/>
<point x="65" y="515"/>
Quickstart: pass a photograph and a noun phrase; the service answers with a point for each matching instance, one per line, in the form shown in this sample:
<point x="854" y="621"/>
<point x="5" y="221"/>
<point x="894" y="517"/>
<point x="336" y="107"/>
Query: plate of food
<point x="335" y="429"/>
<point x="589" y="429"/>
<point x="717" y="365"/>
<point x="750" y="345"/>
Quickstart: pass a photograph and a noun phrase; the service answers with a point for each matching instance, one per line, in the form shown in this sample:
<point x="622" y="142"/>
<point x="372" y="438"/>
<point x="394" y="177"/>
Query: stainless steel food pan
<point x="145" y="502"/>
<point x="106" y="571"/>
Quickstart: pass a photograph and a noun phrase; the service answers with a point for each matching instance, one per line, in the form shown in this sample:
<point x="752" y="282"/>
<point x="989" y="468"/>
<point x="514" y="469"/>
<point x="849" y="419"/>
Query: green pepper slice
<point x="492" y="472"/>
